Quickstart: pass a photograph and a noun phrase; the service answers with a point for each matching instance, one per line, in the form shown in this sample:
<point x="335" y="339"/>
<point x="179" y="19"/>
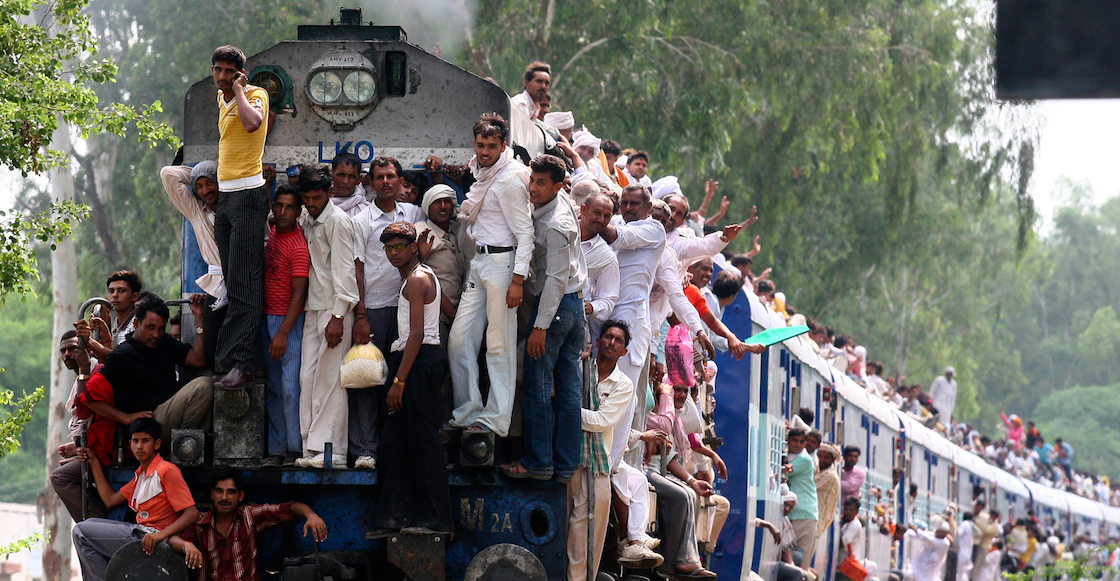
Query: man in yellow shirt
<point x="239" y="223"/>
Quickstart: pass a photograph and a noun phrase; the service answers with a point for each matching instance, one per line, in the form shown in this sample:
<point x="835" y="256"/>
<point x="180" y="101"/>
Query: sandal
<point x="476" y="428"/>
<point x="516" y="469"/>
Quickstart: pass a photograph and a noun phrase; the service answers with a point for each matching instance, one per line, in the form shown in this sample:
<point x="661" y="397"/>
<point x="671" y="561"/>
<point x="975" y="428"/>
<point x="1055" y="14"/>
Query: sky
<point x="1080" y="139"/>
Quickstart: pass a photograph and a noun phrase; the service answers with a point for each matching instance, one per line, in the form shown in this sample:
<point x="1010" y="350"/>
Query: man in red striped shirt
<point x="286" y="264"/>
<point x="222" y="544"/>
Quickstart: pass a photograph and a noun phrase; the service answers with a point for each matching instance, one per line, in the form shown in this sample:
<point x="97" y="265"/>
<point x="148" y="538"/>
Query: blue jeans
<point x="557" y="369"/>
<point x="281" y="388"/>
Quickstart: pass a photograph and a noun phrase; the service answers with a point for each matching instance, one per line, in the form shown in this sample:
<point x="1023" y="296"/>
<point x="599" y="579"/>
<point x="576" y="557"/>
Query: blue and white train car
<point x="1086" y="517"/>
<point x="1050" y="506"/>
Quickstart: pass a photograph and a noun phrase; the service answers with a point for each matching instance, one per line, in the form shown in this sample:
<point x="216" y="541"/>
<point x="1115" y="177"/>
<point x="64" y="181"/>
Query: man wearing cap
<point x="943" y="392"/>
<point x="562" y="121"/>
<point x="537" y="79"/>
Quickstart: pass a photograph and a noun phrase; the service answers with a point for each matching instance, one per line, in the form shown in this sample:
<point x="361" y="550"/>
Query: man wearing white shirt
<point x="689" y="247"/>
<point x="537" y="79"/>
<point x="943" y="392"/>
<point x="637" y="164"/>
<point x="496" y="213"/>
<point x="602" y="264"/>
<point x="375" y="315"/>
<point x="639" y="242"/>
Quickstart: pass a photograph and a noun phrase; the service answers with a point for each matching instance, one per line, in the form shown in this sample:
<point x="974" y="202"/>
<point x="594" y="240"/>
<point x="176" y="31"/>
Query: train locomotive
<point x="365" y="89"/>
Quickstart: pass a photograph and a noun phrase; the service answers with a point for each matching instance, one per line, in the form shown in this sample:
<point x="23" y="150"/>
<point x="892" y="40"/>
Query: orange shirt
<point x="158" y="495"/>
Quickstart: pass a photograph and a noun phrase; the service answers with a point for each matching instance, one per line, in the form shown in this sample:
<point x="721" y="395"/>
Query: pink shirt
<point x="851" y="481"/>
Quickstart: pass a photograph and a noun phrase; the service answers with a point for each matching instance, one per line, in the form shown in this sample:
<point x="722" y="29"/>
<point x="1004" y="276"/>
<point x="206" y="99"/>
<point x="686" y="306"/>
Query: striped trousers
<point x="239" y="227"/>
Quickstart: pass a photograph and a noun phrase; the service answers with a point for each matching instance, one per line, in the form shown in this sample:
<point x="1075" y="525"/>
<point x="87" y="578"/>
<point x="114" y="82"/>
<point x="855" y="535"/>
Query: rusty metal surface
<point x="505" y="562"/>
<point x="421" y="557"/>
<point x="239" y="426"/>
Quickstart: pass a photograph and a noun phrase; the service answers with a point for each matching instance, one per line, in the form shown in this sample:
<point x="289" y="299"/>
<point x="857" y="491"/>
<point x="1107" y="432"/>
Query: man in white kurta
<point x="933" y="548"/>
<point x="943" y="392"/>
<point x="602" y="264"/>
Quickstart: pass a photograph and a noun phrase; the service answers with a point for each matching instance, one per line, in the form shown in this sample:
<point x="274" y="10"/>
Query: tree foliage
<point x="50" y="64"/>
<point x="1089" y="419"/>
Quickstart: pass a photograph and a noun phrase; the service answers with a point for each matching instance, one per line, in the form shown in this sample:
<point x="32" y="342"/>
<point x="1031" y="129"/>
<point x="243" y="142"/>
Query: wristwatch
<point x="339" y="317"/>
<point x="83" y="377"/>
<point x="198" y="330"/>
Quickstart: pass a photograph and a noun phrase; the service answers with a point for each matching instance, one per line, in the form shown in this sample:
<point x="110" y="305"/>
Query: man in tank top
<point x="414" y="497"/>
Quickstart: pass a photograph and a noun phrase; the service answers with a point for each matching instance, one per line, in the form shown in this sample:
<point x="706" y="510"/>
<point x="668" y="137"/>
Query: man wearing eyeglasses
<point x="375" y="315"/>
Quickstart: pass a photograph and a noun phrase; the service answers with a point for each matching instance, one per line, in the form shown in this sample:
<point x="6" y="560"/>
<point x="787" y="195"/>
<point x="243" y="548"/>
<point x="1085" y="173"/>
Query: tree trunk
<point x="64" y="269"/>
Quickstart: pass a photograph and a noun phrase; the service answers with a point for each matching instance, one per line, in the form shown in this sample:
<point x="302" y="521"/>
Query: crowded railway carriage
<point x="396" y="212"/>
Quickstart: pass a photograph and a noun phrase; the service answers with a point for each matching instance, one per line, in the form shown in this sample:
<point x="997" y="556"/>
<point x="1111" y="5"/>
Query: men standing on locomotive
<point x="332" y="293"/>
<point x="346" y="189"/>
<point x="602" y="264"/>
<point x="286" y="265"/>
<point x="222" y="543"/>
<point x="414" y="495"/>
<point x="124" y="293"/>
<point x="537" y="79"/>
<point x="552" y="363"/>
<point x="603" y="409"/>
<point x="375" y="315"/>
<point x="496" y="213"/>
<point x="159" y="495"/>
<point x="240" y="222"/>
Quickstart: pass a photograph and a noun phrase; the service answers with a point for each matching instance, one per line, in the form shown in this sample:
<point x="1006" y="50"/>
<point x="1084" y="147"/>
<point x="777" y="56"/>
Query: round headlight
<point x="359" y="86"/>
<point x="325" y="87"/>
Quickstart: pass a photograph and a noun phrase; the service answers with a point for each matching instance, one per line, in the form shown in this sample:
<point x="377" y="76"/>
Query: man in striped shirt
<point x="223" y="542"/>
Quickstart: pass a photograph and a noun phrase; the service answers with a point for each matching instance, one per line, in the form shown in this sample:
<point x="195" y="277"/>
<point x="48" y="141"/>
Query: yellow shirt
<point x="240" y="152"/>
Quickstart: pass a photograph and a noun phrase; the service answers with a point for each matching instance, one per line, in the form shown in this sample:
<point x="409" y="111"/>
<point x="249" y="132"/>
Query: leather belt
<point x="495" y="249"/>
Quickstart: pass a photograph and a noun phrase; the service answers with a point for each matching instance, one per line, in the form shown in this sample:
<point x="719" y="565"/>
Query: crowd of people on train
<point x="567" y="299"/>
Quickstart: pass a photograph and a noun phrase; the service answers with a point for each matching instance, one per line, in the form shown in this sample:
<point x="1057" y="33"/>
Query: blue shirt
<point x="1044" y="453"/>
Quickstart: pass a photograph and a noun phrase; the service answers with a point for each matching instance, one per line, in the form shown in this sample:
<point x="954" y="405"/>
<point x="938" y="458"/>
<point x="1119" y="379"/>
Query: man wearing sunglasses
<point x="375" y="316"/>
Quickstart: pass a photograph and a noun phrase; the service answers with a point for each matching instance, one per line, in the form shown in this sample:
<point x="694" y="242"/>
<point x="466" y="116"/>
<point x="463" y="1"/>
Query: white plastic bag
<point x="364" y="366"/>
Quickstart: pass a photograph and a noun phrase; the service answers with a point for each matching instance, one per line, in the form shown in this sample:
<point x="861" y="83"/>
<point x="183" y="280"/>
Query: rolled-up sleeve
<point x="556" y="273"/>
<point x="343" y="272"/>
<point x="606" y="292"/>
<point x="515" y="208"/>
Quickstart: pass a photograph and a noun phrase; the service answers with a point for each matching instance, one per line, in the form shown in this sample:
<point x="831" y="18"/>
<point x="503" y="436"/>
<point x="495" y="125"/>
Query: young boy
<point x="552" y="352"/>
<point x="159" y="495"/>
<point x="414" y="496"/>
<point x="286" y="264"/>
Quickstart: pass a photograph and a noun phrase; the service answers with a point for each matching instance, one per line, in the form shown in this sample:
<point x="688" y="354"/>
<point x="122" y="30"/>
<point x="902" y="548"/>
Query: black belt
<point x="495" y="249"/>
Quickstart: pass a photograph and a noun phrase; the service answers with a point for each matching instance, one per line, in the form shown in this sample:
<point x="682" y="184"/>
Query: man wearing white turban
<point x="562" y="121"/>
<point x="586" y="146"/>
<point x="537" y="79"/>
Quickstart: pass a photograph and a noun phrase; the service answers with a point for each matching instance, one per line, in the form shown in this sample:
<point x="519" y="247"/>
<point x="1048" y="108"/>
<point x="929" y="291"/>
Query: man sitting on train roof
<point x="159" y="495"/>
<point x="375" y="315"/>
<point x="139" y="379"/>
<point x="332" y="293"/>
<point x="537" y="80"/>
<point x="222" y="543"/>
<point x="123" y="288"/>
<point x="346" y="190"/>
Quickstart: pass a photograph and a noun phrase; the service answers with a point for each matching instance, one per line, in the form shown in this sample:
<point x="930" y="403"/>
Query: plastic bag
<point x="364" y="366"/>
<point x="678" y="356"/>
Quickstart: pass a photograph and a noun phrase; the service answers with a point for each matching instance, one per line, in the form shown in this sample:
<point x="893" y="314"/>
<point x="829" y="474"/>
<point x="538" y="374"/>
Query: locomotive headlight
<point x="324" y="88"/>
<point x="359" y="87"/>
<point x="342" y="87"/>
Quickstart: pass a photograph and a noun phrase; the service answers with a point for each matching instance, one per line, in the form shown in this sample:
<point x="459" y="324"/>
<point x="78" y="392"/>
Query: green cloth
<point x="593" y="454"/>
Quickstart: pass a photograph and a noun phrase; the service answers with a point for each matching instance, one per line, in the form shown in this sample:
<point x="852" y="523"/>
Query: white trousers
<point x="323" y="410"/>
<point x="579" y="505"/>
<point x="632" y="487"/>
<point x="482" y="310"/>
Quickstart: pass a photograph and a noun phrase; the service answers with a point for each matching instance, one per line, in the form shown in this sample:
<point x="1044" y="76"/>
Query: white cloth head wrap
<point x="790" y="496"/>
<point x="437" y="192"/>
<point x="665" y="186"/>
<point x="586" y="139"/>
<point x="560" y="119"/>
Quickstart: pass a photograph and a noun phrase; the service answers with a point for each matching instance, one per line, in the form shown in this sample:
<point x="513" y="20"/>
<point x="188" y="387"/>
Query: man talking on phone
<point x="239" y="223"/>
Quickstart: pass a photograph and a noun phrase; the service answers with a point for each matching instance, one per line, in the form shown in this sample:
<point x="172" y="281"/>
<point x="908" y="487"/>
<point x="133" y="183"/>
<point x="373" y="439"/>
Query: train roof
<point x="1042" y="494"/>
